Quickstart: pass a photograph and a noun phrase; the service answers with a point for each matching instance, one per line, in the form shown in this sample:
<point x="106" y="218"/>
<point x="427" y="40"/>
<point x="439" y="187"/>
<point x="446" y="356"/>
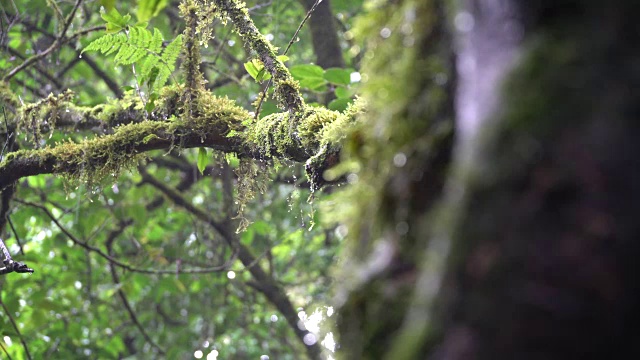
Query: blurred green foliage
<point x="73" y="306"/>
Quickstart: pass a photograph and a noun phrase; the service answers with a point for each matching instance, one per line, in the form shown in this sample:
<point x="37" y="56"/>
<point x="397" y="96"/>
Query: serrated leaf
<point x="203" y="160"/>
<point x="113" y="28"/>
<point x="338" y="76"/>
<point x="300" y="72"/>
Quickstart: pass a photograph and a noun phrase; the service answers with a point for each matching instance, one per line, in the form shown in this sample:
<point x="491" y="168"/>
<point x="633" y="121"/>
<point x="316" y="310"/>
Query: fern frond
<point x="168" y="59"/>
<point x="136" y="45"/>
<point x="172" y="51"/>
<point x="156" y="42"/>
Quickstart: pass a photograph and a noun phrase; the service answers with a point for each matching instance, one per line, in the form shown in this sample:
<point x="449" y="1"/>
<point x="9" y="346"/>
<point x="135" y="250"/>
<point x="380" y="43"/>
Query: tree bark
<point x="528" y="250"/>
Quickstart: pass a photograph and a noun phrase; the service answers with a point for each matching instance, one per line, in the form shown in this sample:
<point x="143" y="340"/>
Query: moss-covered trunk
<point x="527" y="251"/>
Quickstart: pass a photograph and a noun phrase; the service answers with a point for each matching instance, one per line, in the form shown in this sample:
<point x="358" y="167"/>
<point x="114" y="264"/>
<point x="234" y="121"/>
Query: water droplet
<point x="399" y="159"/>
<point x="80" y="56"/>
<point x="309" y="339"/>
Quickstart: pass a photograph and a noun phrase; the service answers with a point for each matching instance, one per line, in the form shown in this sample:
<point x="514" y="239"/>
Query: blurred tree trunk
<point x="324" y="35"/>
<point x="519" y="239"/>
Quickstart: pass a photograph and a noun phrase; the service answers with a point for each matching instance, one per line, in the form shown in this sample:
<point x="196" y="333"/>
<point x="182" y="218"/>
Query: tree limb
<point x="287" y="91"/>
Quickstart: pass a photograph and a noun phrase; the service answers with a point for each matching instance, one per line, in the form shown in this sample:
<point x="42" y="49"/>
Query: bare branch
<point x="15" y="327"/>
<point x="263" y="282"/>
<point x="123" y="297"/>
<point x="50" y="49"/>
<point x="114" y="261"/>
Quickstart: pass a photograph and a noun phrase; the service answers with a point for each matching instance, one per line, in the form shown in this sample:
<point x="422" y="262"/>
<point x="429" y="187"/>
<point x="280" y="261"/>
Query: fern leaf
<point x="101" y="44"/>
<point x="161" y="78"/>
<point x="138" y="44"/>
<point x="171" y="53"/>
<point x="156" y="42"/>
<point x="149" y="63"/>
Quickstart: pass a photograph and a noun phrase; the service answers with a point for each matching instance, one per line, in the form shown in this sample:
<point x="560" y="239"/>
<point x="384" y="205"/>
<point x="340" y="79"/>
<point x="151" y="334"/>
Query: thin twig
<point x="51" y="48"/>
<point x="123" y="296"/>
<point x="15" y="234"/>
<point x="287" y="92"/>
<point x="15" y="327"/>
<point x="5" y="351"/>
<point x="117" y="262"/>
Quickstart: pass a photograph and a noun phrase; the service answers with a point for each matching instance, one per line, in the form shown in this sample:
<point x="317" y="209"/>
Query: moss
<point x="42" y="114"/>
<point x="336" y="132"/>
<point x="7" y="97"/>
<point x="103" y="157"/>
<point x="287" y="91"/>
<point x="270" y="135"/>
<point x="389" y="156"/>
<point x="312" y="124"/>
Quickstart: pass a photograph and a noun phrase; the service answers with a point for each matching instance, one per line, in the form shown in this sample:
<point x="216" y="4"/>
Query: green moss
<point x="270" y="135"/>
<point x="102" y="157"/>
<point x="7" y="97"/>
<point x="287" y="91"/>
<point x="386" y="151"/>
<point x="42" y="114"/>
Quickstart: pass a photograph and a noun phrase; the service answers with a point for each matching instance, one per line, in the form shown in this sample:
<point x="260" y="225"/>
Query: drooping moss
<point x="105" y="156"/>
<point x="44" y="113"/>
<point x="7" y="97"/>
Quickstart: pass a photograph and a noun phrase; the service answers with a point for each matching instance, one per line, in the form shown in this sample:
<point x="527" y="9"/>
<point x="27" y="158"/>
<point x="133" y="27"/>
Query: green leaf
<point x="148" y="9"/>
<point x="313" y="83"/>
<point x="151" y="104"/>
<point x="256" y="69"/>
<point x="203" y="159"/>
<point x="113" y="18"/>
<point x="339" y="104"/>
<point x="343" y="92"/>
<point x="113" y="28"/>
<point x="108" y="4"/>
<point x="232" y="160"/>
<point x="338" y="76"/>
<point x="300" y="72"/>
<point x="251" y="69"/>
<point x="263" y="75"/>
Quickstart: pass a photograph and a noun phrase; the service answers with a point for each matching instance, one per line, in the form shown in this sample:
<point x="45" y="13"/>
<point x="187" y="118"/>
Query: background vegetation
<point x="122" y="269"/>
<point x="478" y="200"/>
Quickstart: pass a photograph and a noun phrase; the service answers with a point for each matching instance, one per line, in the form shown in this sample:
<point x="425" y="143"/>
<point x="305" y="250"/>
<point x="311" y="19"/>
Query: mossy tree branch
<point x="221" y="125"/>
<point x="287" y="89"/>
